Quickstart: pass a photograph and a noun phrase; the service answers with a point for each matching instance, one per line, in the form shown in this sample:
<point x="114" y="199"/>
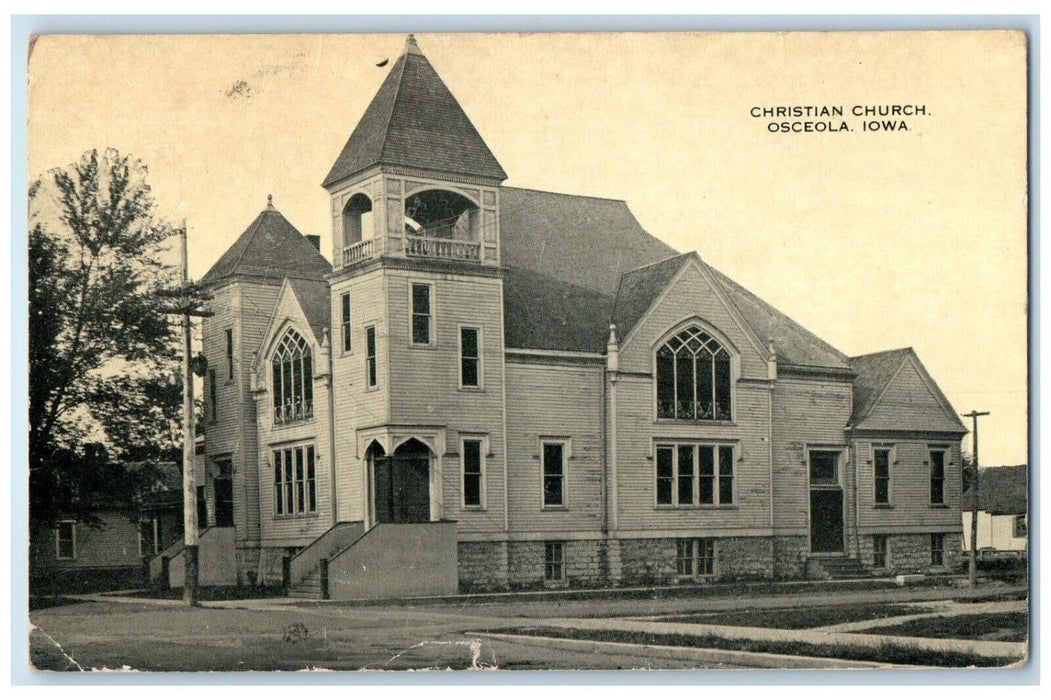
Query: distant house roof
<point x="270" y="247"/>
<point x="313" y="296"/>
<point x="1001" y="491"/>
<point x="587" y="241"/>
<point x="415" y="121"/>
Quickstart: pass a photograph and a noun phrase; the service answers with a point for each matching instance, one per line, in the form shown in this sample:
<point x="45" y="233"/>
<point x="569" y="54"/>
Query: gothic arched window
<point x="292" y="380"/>
<point x="693" y="377"/>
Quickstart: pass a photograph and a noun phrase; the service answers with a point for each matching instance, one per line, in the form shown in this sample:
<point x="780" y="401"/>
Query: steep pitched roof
<point x="587" y="241"/>
<point x="873" y="374"/>
<point x="794" y="344"/>
<point x="313" y="296"/>
<point x="545" y="313"/>
<point x="1001" y="491"/>
<point x="640" y="287"/>
<point x="415" y="121"/>
<point x="270" y="247"/>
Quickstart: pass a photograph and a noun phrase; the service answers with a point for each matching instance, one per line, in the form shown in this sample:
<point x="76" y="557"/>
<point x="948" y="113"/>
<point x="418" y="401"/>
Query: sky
<point x="871" y="239"/>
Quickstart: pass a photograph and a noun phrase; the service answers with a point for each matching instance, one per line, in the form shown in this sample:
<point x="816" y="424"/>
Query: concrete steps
<point x="309" y="588"/>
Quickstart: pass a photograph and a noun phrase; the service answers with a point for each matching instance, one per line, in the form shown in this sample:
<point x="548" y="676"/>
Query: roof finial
<point x="270" y="202"/>
<point x="411" y="46"/>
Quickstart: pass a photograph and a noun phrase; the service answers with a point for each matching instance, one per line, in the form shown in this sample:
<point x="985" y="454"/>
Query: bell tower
<point x="415" y="179"/>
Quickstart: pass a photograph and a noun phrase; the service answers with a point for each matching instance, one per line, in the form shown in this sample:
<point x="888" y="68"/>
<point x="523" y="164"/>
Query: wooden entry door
<point x="826" y="521"/>
<point x="402" y="489"/>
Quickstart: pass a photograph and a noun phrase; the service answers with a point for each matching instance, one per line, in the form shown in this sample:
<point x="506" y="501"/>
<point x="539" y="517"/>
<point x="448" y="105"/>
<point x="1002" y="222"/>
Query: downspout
<point x="613" y="367"/>
<point x="326" y="354"/>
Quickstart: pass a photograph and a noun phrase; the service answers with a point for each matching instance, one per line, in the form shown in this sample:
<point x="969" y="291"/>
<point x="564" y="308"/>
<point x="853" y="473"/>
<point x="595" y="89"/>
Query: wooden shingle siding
<point x="910" y="507"/>
<point x="562" y="402"/>
<point x="246" y="308"/>
<point x="908" y="404"/>
<point x="354" y="404"/>
<point x="690" y="295"/>
<point x="807" y="412"/>
<point x="636" y="434"/>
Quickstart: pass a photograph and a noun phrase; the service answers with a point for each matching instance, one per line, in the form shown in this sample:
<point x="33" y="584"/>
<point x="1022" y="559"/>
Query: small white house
<point x="1003" y="519"/>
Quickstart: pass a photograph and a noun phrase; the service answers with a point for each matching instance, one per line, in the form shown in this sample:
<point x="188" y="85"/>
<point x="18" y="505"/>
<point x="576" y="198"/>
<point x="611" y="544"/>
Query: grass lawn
<point x="885" y="654"/>
<point x="798" y="618"/>
<point x="1001" y="627"/>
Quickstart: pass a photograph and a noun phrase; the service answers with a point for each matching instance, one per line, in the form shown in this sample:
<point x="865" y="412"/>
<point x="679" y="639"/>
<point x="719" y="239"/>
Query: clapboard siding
<point x="559" y="402"/>
<point x="425" y="382"/>
<point x="354" y="405"/>
<point x="910" y="504"/>
<point x="690" y="295"/>
<point x="244" y="307"/>
<point x="114" y="544"/>
<point x="636" y="432"/>
<point x="806" y="413"/>
<point x="909" y="404"/>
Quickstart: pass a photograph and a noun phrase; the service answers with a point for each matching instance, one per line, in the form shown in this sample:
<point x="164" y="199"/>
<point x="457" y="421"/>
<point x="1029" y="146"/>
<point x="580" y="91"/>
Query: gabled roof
<point x="544" y="313"/>
<point x="415" y="121"/>
<point x="313" y="297"/>
<point x="1001" y="491"/>
<point x="587" y="241"/>
<point x="640" y="288"/>
<point x="270" y="247"/>
<point x="794" y="344"/>
<point x="875" y="372"/>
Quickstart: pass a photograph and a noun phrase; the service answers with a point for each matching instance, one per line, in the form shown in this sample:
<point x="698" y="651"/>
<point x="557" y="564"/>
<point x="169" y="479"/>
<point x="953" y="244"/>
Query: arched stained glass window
<point x="693" y="377"/>
<point x="292" y="380"/>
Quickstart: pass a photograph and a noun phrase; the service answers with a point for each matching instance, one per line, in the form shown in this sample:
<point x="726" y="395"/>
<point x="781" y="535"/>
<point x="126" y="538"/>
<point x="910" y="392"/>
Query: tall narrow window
<point x="295" y="482"/>
<point x="554" y="561"/>
<point x="213" y="400"/>
<point x="472" y="473"/>
<point x="687" y="481"/>
<point x="370" y="356"/>
<point x="665" y="476"/>
<point x="937" y="463"/>
<point x="726" y="475"/>
<point x="344" y="304"/>
<point x="66" y="540"/>
<point x="554" y="456"/>
<point x="879" y="551"/>
<point x="230" y="354"/>
<point x="149" y="542"/>
<point x="881" y="475"/>
<point x="292" y="380"/>
<point x="937" y="549"/>
<point x="470" y="358"/>
<point x="421" y="314"/>
<point x="694" y="377"/>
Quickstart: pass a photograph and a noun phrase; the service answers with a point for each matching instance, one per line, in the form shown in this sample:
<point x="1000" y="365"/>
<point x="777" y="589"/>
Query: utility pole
<point x="972" y="569"/>
<point x="189" y="299"/>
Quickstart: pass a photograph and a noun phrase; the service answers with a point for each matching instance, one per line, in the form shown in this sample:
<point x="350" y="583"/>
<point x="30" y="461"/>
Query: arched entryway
<point x="401" y="483"/>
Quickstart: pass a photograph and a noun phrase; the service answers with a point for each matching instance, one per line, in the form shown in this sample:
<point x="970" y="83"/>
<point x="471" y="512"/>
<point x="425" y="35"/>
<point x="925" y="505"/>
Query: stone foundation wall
<point x="912" y="553"/>
<point x="525" y="564"/>
<point x="584" y="560"/>
<point x="584" y="563"/>
<point x="789" y="557"/>
<point x="482" y="566"/>
<point x="647" y="561"/>
<point x="744" y="557"/>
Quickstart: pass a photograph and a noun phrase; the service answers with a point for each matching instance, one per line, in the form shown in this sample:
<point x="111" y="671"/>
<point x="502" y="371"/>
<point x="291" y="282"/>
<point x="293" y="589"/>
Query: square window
<point x="695" y="557"/>
<point x="824" y="467"/>
<point x="554" y="562"/>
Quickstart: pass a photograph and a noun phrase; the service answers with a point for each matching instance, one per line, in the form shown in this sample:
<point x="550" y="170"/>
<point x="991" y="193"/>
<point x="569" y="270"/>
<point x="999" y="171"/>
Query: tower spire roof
<point x="414" y="121"/>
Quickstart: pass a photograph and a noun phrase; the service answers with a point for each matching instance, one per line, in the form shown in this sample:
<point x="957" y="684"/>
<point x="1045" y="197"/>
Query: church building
<point x="493" y="388"/>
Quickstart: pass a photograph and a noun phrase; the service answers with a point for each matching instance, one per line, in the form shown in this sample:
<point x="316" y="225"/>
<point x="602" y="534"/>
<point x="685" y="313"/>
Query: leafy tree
<point x="102" y="358"/>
